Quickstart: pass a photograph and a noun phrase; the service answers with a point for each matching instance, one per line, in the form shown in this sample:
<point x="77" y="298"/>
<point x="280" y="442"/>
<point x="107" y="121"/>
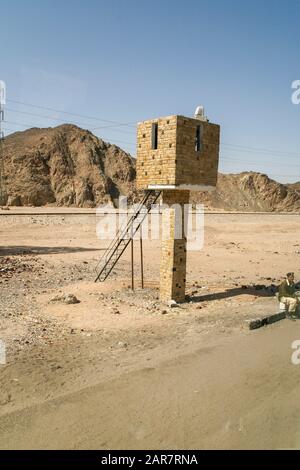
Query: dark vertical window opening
<point x="154" y="136"/>
<point x="198" y="139"/>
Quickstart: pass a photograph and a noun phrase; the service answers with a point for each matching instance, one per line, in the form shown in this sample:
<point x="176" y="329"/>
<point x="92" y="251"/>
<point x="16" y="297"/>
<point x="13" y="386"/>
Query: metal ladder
<point x="120" y="243"/>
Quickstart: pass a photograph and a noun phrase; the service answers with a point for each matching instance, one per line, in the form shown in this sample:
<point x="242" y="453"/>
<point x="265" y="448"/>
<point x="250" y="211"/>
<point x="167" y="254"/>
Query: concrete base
<point x="267" y="320"/>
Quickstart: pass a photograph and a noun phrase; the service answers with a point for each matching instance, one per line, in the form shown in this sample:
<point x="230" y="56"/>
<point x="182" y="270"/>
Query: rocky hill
<point x="295" y="186"/>
<point x="250" y="191"/>
<point x="68" y="166"/>
<point x="65" y="166"/>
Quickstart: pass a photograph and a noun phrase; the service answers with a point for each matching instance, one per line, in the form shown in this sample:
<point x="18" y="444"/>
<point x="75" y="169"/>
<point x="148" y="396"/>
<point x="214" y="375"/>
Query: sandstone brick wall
<point x="156" y="166"/>
<point x="197" y="168"/>
<point x="175" y="161"/>
<point x="173" y="250"/>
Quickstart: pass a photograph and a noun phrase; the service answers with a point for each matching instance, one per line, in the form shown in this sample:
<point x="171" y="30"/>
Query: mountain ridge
<point x="70" y="166"/>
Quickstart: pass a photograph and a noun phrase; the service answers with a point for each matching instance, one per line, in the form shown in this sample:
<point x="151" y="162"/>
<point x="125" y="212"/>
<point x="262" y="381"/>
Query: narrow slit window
<point x="198" y="139"/>
<point x="154" y="136"/>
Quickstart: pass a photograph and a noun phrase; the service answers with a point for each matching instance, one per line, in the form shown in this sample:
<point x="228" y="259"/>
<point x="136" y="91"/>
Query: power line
<point x="223" y="158"/>
<point x="107" y="139"/>
<point x="10" y="129"/>
<point x="121" y="141"/>
<point x="272" y="152"/>
<point x="22" y="125"/>
<point x="279" y="175"/>
<point x="233" y="147"/>
<point x="283" y="176"/>
<point x="129" y="124"/>
<point x="295" y="176"/>
<point x="52" y="118"/>
<point x="111" y="127"/>
<point x="257" y="171"/>
<point x="254" y="162"/>
<point x="258" y="152"/>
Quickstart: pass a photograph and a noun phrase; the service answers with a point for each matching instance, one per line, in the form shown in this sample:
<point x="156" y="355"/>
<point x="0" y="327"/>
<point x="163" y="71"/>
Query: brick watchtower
<point x="176" y="154"/>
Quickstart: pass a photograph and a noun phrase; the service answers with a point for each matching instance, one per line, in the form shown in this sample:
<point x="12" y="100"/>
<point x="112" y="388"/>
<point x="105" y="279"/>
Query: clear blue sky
<point x="126" y="61"/>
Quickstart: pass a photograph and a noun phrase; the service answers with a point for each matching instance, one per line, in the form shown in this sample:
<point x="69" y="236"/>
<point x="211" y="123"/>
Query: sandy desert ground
<point x="120" y="369"/>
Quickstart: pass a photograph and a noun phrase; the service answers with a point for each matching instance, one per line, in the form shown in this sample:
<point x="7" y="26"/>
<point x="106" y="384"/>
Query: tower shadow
<point x="255" y="290"/>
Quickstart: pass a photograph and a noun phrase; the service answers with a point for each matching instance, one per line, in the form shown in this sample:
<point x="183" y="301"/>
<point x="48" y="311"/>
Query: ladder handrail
<point x="115" y="247"/>
<point x="127" y="241"/>
<point x="123" y="230"/>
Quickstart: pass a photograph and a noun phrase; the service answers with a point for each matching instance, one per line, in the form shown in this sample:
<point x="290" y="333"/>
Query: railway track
<point x="64" y="214"/>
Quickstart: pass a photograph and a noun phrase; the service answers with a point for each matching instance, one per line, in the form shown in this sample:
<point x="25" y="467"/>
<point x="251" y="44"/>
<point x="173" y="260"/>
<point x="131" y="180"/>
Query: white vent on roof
<point x="199" y="114"/>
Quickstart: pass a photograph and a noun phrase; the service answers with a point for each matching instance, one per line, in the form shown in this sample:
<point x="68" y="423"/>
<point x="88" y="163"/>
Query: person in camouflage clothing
<point x="287" y="295"/>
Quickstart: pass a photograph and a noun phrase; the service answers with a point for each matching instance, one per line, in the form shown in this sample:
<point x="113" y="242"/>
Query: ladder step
<point x="117" y="247"/>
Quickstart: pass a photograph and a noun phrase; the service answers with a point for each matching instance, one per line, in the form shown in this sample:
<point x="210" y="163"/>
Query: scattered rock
<point x="172" y="304"/>
<point x="5" y="398"/>
<point x="56" y="367"/>
<point x="65" y="299"/>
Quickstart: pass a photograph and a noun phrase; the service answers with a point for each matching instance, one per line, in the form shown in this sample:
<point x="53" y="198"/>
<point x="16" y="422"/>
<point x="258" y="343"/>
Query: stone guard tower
<point x="176" y="154"/>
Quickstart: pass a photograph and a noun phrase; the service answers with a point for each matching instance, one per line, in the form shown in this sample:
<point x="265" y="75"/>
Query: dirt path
<point x="239" y="392"/>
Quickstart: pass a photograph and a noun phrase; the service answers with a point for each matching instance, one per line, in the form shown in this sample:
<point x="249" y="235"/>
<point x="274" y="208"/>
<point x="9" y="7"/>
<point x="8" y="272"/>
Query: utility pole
<point x="2" y="103"/>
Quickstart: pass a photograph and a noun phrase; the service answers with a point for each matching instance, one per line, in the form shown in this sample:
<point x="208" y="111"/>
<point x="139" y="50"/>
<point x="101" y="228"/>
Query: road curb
<point x="267" y="320"/>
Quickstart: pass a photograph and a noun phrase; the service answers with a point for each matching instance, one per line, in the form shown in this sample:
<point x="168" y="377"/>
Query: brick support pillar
<point x="173" y="246"/>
